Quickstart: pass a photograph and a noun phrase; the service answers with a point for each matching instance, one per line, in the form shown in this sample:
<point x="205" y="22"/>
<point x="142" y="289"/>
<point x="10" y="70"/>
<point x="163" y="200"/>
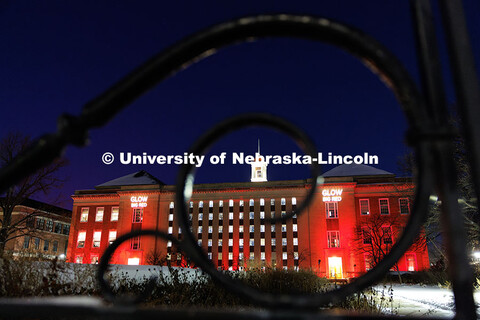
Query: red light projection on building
<point x="351" y="213"/>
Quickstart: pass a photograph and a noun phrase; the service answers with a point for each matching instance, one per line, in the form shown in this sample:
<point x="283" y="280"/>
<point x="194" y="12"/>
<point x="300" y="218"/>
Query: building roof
<point x="137" y="178"/>
<point x="356" y="170"/>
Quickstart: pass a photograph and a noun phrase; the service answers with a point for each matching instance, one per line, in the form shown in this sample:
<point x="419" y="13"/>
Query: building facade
<point x="352" y="222"/>
<point x="39" y="231"/>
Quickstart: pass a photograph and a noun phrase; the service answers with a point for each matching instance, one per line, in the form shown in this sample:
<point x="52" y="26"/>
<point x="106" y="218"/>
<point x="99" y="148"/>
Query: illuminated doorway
<point x="335" y="268"/>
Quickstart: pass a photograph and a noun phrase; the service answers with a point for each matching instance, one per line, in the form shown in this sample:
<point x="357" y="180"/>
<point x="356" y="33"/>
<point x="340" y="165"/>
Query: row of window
<point x="251" y="202"/>
<point x="251" y="256"/>
<point x="384" y="206"/>
<point x="97" y="237"/>
<point x="84" y="212"/>
<point x="240" y="229"/>
<point x="48" y="225"/>
<point x="34" y="243"/>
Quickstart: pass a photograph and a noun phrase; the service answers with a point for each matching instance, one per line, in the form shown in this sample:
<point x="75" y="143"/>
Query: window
<point x="240" y="256"/>
<point x="364" y="207"/>
<point x="274" y="241"/>
<point x="262" y="214"/>
<point x="179" y="230"/>
<point x="251" y="202"/>
<point x="170" y="217"/>
<point x="46" y="245"/>
<point x="200" y="204"/>
<point x="169" y="244"/>
<point x="387" y="235"/>
<point x="210" y="229"/>
<point x="384" y="208"/>
<point x="99" y="214"/>
<point x="230" y="203"/>
<point x="295" y="241"/>
<point x="30" y="222"/>
<point x="262" y="255"/>
<point x="230" y="229"/>
<point x="209" y="242"/>
<point x="295" y="255"/>
<point x="40" y="224"/>
<point x="240" y="243"/>
<point x="210" y="255"/>
<point x="367" y="237"/>
<point x="172" y="205"/>
<point x="84" y="215"/>
<point x="282" y="201"/>
<point x="112" y="235"/>
<point x="262" y="242"/>
<point x="272" y="228"/>
<point x="58" y="227"/>
<point x="295" y="227"/>
<point x="240" y="215"/>
<point x="170" y="230"/>
<point x="252" y="215"/>
<point x="26" y="242"/>
<point x="331" y="209"/>
<point x="78" y="259"/>
<point x="252" y="228"/>
<point x="240" y="229"/>
<point x="252" y="256"/>
<point x="220" y="229"/>
<point x="284" y="241"/>
<point x="220" y="203"/>
<point x="97" y="235"/>
<point x="252" y="242"/>
<point x="294" y="201"/>
<point x="137" y="215"/>
<point x="210" y="216"/>
<point x="133" y="261"/>
<point x="404" y="205"/>
<point x="230" y="242"/>
<point x="66" y="229"/>
<point x="210" y="204"/>
<point x="284" y="228"/>
<point x="230" y="256"/>
<point x="333" y="238"/>
<point x="220" y="242"/>
<point x="199" y="242"/>
<point x="114" y="215"/>
<point x="230" y="215"/>
<point x="55" y="246"/>
<point x="94" y="259"/>
<point x="37" y="243"/>
<point x="81" y="239"/>
<point x="135" y="243"/>
<point x="411" y="263"/>
<point x="200" y="229"/>
<point x="262" y="228"/>
<point x="200" y="216"/>
<point x="368" y="262"/>
<point x="284" y="256"/>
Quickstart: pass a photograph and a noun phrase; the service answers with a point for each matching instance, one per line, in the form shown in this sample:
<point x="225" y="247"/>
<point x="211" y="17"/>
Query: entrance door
<point x="335" y="268"/>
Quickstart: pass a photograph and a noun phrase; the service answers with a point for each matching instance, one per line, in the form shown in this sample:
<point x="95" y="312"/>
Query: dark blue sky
<point x="58" y="55"/>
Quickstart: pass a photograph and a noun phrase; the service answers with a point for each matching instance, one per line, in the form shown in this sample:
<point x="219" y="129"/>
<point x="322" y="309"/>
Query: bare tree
<point x="42" y="181"/>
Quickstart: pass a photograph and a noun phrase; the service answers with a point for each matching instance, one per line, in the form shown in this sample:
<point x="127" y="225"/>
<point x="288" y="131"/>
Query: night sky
<point x="58" y="55"/>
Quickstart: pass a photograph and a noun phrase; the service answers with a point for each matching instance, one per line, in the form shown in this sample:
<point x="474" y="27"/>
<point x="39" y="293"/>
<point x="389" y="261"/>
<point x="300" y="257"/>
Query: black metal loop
<point x="103" y="267"/>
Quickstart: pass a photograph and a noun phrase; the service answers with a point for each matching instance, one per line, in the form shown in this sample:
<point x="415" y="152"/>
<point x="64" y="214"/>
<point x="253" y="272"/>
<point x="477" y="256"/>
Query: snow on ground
<point x="419" y="300"/>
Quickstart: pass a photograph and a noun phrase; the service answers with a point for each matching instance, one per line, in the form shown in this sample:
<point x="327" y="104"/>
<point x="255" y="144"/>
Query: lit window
<point x="404" y="206"/>
<point x="133" y="261"/>
<point x="252" y="255"/>
<point x="252" y="202"/>
<point x="252" y="228"/>
<point x="284" y="228"/>
<point x="252" y="215"/>
<point x="274" y="241"/>
<point x="179" y="230"/>
<point x="241" y="203"/>
<point x="114" y="216"/>
<point x="230" y="242"/>
<point x="81" y="239"/>
<point x="169" y="244"/>
<point x="295" y="228"/>
<point x="170" y="230"/>
<point x="295" y="255"/>
<point x="210" y="255"/>
<point x="230" y="203"/>
<point x="262" y="215"/>
<point x="99" y="214"/>
<point x="282" y="201"/>
<point x="272" y="214"/>
<point x="240" y="229"/>
<point x="210" y="204"/>
<point x="295" y="241"/>
<point x="200" y="216"/>
<point x="230" y="256"/>
<point x="220" y="203"/>
<point x="210" y="216"/>
<point x="333" y="238"/>
<point x="284" y="241"/>
<point x="170" y="217"/>
<point x="262" y="242"/>
<point x="209" y="242"/>
<point x="219" y="256"/>
<point x="294" y="201"/>
<point x="220" y="216"/>
<point x="252" y="242"/>
<point x="220" y="242"/>
<point x="410" y="259"/>
<point x="240" y="243"/>
<point x="78" y="259"/>
<point x="240" y="256"/>
<point x="240" y="215"/>
<point x="230" y="229"/>
<point x="199" y="242"/>
<point x="97" y="235"/>
<point x="284" y="256"/>
<point x="272" y="228"/>
<point x="210" y="229"/>
<point x="331" y="209"/>
<point x="220" y="229"/>
<point x="84" y="215"/>
<point x="364" y="207"/>
<point x="137" y="215"/>
<point x="172" y="205"/>
<point x="384" y="208"/>
<point x="200" y="204"/>
<point x="112" y="235"/>
<point x="94" y="259"/>
<point x="230" y="215"/>
<point x="262" y="255"/>
<point x="262" y="202"/>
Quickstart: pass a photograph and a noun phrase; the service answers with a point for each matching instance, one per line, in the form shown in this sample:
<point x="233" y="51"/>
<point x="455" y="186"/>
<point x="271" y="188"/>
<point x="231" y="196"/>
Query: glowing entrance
<point x="335" y="268"/>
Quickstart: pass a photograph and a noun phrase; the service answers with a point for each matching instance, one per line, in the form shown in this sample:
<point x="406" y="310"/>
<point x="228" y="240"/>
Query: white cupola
<point x="259" y="167"/>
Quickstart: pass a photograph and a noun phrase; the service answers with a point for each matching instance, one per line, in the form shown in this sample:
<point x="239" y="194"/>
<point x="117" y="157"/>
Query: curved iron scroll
<point x="422" y="133"/>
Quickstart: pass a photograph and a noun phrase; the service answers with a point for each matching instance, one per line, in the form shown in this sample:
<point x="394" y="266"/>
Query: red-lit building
<point x="357" y="208"/>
